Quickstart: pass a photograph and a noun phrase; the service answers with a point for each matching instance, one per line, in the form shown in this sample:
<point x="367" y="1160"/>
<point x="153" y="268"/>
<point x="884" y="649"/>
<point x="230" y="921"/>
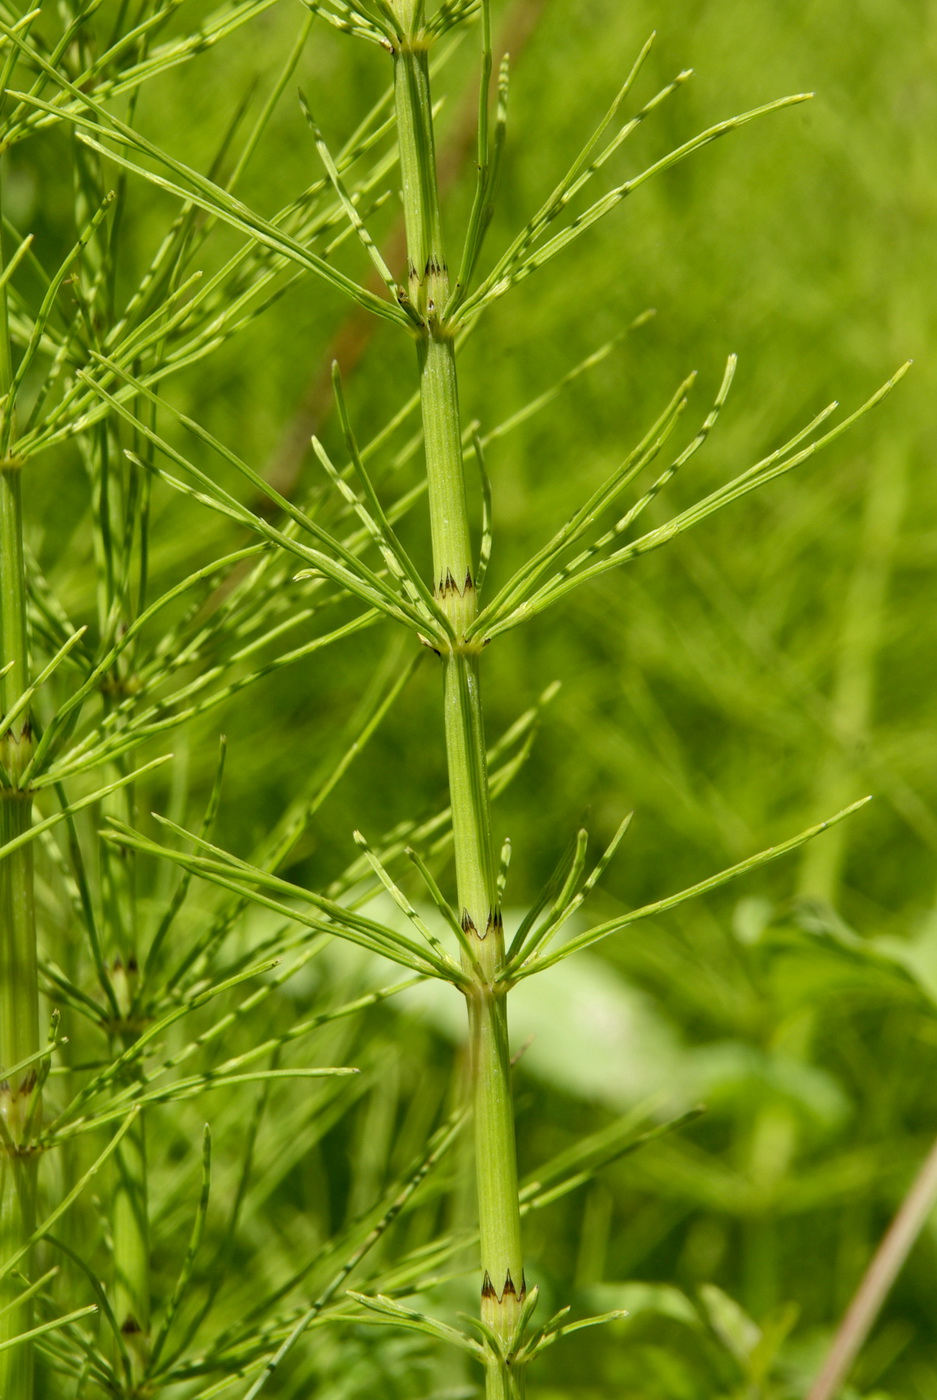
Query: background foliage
<point x="752" y="679"/>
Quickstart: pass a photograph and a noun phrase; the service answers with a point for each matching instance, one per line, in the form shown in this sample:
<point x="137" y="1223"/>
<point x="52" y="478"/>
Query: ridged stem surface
<point x="19" y="986"/>
<point x="130" y="1207"/>
<point x="502" y="1264"/>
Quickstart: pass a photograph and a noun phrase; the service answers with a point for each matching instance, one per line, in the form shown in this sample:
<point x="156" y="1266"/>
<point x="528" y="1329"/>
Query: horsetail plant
<point x="96" y="380"/>
<point x="127" y="683"/>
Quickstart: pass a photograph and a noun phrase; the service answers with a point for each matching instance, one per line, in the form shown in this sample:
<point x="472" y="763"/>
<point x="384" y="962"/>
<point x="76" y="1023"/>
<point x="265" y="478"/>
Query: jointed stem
<point x="132" y="1247"/>
<point x="130" y="1206"/>
<point x="19" y="1038"/>
<point x="439" y="391"/>
<point x="130" y="1202"/>
<point x="495" y="1152"/>
<point x="503" y="1286"/>
<point x="468" y="784"/>
<point x="19" y="991"/>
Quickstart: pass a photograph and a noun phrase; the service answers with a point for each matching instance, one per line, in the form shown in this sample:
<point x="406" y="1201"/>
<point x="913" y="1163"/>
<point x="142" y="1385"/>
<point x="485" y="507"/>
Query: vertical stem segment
<point x="130" y="1206"/>
<point x="130" y="1203"/>
<point x="861" y="636"/>
<point x="19" y="1038"/>
<point x="19" y="990"/>
<point x="132" y="1247"/>
<point x="503" y="1286"/>
<point x="19" y="985"/>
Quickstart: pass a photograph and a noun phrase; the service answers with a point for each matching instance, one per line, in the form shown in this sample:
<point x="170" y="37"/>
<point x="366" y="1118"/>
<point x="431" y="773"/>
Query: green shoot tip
<point x="847" y="811"/>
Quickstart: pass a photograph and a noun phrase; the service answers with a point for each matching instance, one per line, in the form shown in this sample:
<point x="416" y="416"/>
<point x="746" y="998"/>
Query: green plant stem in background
<point x="130" y="1206"/>
<point x="877" y="1281"/>
<point x="130" y="1203"/>
<point x="19" y="1039"/>
<point x="861" y="636"/>
<point x="495" y="1150"/>
<point x="19" y="995"/>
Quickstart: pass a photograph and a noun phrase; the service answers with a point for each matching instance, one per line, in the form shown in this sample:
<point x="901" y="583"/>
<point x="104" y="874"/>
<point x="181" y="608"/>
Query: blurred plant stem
<point x="115" y="493"/>
<point x="454" y="586"/>
<point x="861" y="636"/>
<point x="877" y="1281"/>
<point x="19" y="993"/>
<point x="130" y="1208"/>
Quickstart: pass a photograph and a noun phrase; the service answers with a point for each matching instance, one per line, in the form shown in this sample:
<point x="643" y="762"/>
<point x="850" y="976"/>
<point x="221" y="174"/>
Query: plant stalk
<point x="502" y="1266"/>
<point x="877" y="1281"/>
<point x="861" y="639"/>
<point x="130" y="1208"/>
<point x="19" y="983"/>
<point x="130" y="1202"/>
<point x="19" y="1038"/>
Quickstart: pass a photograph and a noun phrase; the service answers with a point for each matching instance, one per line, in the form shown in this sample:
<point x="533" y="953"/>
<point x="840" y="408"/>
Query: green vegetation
<point x="280" y="379"/>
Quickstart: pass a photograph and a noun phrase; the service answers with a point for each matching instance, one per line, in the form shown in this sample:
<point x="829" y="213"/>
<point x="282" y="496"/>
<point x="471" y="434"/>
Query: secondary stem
<point x="130" y="1202"/>
<point x="503" y="1286"/>
<point x="861" y="639"/>
<point x="130" y="1208"/>
<point x="19" y="1038"/>
<point x="19" y="985"/>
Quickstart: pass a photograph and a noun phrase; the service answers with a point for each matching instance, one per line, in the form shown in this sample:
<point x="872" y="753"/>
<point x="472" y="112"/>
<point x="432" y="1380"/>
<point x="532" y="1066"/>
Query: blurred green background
<point x="752" y="678"/>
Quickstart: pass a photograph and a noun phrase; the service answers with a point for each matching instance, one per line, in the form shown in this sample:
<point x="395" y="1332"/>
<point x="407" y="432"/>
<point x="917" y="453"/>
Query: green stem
<point x="502" y="1264"/>
<point x="19" y="984"/>
<point x="130" y="1220"/>
<point x="452" y="548"/>
<point x="19" y="1038"/>
<point x="853" y="699"/>
<point x="12" y="607"/>
<point x="130" y="1204"/>
<point x="130" y="1207"/>
<point x="130" y="1200"/>
<point x="503" y="1283"/>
